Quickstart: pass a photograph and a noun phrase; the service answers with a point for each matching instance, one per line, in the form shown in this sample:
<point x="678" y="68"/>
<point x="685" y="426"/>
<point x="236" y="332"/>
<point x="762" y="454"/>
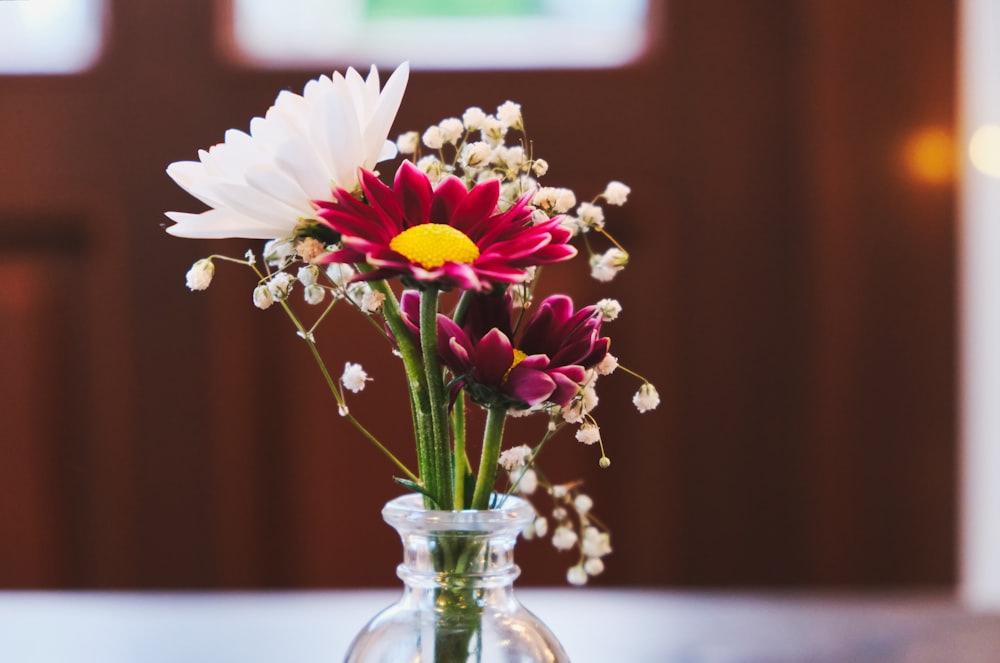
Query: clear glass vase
<point x="458" y="603"/>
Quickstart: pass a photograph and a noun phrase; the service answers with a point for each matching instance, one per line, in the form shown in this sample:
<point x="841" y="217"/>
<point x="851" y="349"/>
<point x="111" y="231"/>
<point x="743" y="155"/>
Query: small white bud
<point x="371" y="301"/>
<point x="476" y="154"/>
<point x="539" y="167"/>
<point x="199" y="277"/>
<point x="262" y="297"/>
<point x="493" y="131"/>
<point x="594" y="566"/>
<point x="576" y="576"/>
<point x="595" y="542"/>
<point x="340" y="273"/>
<point x="277" y="252"/>
<point x="583" y="503"/>
<point x="433" y="138"/>
<point x="588" y="434"/>
<point x="610" y="309"/>
<point x="473" y="118"/>
<point x="616" y="193"/>
<point x="354" y="377"/>
<point x="314" y="294"/>
<point x="605" y="266"/>
<point x="527" y="482"/>
<point x="607" y="365"/>
<point x="509" y="115"/>
<point x="307" y="275"/>
<point x="564" y="538"/>
<point x="590" y="215"/>
<point x="515" y="457"/>
<point x="432" y="167"/>
<point x="647" y="398"/>
<point x="408" y="143"/>
<point x="582" y="404"/>
<point x="451" y="129"/>
<point x="511" y="158"/>
<point x="280" y="285"/>
<point x="565" y="200"/>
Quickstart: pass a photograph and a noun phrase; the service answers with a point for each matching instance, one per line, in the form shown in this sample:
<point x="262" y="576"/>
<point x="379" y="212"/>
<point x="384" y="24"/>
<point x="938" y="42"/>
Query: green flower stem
<point x="439" y="481"/>
<point x="633" y="373"/>
<point x="460" y="458"/>
<point x="462" y="307"/>
<point x="492" y="436"/>
<point x="420" y="403"/>
<point x="332" y="384"/>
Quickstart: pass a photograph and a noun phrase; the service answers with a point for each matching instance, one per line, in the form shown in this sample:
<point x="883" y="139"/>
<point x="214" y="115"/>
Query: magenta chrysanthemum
<point x="547" y="364"/>
<point x="451" y="236"/>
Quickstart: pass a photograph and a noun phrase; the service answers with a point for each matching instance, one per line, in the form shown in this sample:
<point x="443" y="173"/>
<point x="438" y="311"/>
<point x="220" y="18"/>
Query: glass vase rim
<point x="513" y="511"/>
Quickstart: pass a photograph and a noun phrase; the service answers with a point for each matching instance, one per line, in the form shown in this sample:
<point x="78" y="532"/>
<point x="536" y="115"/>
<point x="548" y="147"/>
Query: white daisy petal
<point x="342" y="135"/>
<point x="297" y="158"/>
<point x="380" y="121"/>
<point x="218" y="224"/>
<point x="260" y="184"/>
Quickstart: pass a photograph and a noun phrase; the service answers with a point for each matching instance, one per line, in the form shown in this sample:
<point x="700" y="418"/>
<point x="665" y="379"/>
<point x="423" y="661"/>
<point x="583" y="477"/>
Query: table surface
<point x="594" y="625"/>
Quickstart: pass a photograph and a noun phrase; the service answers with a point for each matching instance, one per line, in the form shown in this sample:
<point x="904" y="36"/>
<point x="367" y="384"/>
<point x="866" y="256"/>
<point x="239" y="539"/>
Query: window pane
<point x="440" y="34"/>
<point x="49" y="36"/>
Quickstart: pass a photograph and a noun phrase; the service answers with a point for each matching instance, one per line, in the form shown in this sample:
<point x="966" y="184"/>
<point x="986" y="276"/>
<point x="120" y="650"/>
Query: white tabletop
<point x="595" y="626"/>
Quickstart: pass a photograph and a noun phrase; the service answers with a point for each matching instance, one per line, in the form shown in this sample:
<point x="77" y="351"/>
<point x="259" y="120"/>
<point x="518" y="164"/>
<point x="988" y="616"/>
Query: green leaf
<point x="415" y="487"/>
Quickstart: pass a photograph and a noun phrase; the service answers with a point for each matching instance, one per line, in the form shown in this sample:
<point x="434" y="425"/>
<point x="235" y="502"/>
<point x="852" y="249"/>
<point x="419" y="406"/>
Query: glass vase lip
<point x="409" y="511"/>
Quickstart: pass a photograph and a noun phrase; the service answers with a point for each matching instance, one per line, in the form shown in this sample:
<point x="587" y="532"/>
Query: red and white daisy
<point x="450" y="235"/>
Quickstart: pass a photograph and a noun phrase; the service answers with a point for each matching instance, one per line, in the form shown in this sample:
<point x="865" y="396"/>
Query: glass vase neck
<point x="448" y="549"/>
<point x="458" y="603"/>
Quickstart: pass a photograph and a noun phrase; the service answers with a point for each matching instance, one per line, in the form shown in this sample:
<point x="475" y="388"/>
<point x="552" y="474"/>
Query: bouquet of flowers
<point x="444" y="257"/>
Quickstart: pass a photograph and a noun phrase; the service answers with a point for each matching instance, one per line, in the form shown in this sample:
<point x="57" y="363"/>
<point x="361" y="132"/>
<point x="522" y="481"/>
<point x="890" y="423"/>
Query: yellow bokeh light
<point x="984" y="150"/>
<point x="929" y="155"/>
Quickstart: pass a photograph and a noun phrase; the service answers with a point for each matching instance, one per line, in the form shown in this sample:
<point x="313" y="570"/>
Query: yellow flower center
<point x="431" y="245"/>
<point x="518" y="358"/>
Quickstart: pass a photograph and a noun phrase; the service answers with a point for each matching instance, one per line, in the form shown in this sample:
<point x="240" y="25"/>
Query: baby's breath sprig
<point x="276" y="287"/>
<point x="574" y="525"/>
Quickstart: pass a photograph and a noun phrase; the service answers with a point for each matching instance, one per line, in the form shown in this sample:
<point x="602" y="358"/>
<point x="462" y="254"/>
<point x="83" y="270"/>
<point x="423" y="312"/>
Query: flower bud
<point x="314" y="294"/>
<point x="408" y="143"/>
<point x="576" y="575"/>
<point x="200" y="275"/>
<point x="451" y="129"/>
<point x="280" y="285"/>
<point x="647" y="398"/>
<point x="616" y="193"/>
<point x="262" y="297"/>
<point x="433" y="138"/>
<point x="509" y="115"/>
<point x="473" y="118"/>
<point x="307" y="275"/>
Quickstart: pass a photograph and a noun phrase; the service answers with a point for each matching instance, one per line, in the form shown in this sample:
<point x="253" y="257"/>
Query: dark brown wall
<point x="791" y="293"/>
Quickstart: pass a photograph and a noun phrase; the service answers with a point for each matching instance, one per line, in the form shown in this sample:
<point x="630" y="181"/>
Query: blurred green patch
<point x="451" y="8"/>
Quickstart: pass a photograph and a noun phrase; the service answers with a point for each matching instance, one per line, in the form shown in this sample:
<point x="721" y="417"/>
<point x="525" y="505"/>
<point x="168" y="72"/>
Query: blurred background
<point x="792" y="293"/>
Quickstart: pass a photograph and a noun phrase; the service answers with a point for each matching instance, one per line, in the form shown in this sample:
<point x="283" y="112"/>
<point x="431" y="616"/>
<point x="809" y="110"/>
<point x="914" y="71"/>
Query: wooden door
<point x="791" y="293"/>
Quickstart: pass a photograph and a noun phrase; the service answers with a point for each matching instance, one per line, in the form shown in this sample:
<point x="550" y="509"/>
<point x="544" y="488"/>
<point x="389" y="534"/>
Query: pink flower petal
<point x="529" y="385"/>
<point x="494" y="356"/>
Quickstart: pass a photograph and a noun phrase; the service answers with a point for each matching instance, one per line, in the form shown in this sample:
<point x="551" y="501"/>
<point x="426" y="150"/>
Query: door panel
<point x="791" y="292"/>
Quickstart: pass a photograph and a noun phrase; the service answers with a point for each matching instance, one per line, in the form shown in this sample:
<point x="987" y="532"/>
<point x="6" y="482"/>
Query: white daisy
<point x="261" y="184"/>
